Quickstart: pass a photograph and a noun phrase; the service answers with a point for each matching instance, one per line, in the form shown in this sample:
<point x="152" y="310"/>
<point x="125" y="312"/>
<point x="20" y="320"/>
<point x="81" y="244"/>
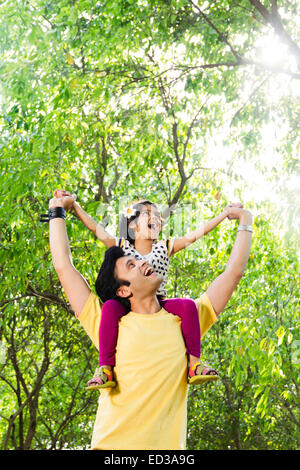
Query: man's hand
<point x="66" y="201"/>
<point x="61" y="193"/>
<point x="244" y="216"/>
<point x="232" y="210"/>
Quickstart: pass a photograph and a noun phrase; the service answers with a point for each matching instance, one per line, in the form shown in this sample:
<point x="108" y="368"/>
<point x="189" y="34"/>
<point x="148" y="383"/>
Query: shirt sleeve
<point x="207" y="315"/>
<point x="169" y="244"/>
<point x="172" y="240"/>
<point x="91" y="315"/>
<point x="90" y="318"/>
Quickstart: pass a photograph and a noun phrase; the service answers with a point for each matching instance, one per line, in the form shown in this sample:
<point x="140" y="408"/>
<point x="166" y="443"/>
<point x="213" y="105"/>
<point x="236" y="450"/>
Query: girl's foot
<point x="201" y="373"/>
<point x="103" y="378"/>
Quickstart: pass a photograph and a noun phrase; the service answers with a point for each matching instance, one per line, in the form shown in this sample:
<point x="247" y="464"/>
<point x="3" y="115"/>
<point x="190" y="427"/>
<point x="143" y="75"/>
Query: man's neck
<point x="146" y="305"/>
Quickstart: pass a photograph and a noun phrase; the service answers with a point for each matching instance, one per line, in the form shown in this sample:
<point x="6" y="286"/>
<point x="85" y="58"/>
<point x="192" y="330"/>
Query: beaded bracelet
<point x="53" y="213"/>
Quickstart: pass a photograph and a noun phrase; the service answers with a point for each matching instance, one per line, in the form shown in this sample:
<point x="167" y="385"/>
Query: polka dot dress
<point x="158" y="258"/>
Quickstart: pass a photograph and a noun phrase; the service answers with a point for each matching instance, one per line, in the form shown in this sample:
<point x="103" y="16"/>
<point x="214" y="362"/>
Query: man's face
<point x="143" y="279"/>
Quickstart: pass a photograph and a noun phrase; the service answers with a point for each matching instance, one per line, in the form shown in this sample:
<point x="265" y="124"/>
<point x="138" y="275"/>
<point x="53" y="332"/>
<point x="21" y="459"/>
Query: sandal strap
<point x="95" y="380"/>
<point x="202" y="366"/>
<point x="104" y="374"/>
<point x="193" y="368"/>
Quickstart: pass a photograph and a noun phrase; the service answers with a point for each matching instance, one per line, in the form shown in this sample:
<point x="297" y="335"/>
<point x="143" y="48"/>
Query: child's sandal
<point x="103" y="378"/>
<point x="204" y="374"/>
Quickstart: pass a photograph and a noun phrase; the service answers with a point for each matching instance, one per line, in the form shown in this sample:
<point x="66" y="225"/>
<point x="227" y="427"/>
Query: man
<point x="147" y="410"/>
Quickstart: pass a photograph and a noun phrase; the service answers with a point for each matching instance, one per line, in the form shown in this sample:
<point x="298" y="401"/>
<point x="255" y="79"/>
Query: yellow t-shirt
<point x="147" y="409"/>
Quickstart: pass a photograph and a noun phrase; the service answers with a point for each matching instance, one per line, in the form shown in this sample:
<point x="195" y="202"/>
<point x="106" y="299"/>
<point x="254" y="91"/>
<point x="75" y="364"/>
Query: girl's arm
<point x="93" y="226"/>
<point x="205" y="228"/>
<point x="87" y="220"/>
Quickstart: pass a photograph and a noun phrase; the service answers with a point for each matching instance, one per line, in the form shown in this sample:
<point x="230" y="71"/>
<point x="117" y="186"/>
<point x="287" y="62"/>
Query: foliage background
<point x="188" y="103"/>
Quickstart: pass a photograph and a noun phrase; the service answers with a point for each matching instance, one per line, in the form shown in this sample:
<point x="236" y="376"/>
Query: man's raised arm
<point x="75" y="286"/>
<point x="222" y="288"/>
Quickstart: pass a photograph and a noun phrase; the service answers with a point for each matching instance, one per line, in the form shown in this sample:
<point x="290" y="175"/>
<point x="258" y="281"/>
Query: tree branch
<point x="273" y="18"/>
<point x="221" y="35"/>
<point x="248" y="99"/>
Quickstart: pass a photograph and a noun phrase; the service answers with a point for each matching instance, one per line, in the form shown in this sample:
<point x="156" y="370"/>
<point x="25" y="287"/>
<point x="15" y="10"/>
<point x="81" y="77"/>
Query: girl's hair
<point x="124" y="230"/>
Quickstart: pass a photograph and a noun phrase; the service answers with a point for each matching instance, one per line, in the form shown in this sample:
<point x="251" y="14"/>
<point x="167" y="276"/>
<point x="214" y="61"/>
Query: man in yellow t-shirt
<point x="147" y="410"/>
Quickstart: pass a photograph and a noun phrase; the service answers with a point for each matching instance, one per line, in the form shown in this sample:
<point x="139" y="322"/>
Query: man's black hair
<point x="107" y="282"/>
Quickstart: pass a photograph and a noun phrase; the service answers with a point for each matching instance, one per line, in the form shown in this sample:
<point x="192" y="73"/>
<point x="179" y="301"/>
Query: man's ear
<point x="124" y="291"/>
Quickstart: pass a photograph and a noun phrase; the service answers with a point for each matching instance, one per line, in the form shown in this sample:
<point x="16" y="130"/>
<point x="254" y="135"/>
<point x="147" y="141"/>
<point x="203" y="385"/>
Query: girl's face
<point x="148" y="225"/>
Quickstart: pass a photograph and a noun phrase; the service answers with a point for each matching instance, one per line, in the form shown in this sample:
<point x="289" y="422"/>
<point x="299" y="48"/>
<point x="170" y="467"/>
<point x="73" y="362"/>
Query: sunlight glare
<point x="272" y="52"/>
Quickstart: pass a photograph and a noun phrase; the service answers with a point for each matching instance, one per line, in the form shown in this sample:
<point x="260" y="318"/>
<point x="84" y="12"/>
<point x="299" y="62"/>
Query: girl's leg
<point x="103" y="377"/>
<point x="111" y="313"/>
<point x="187" y="310"/>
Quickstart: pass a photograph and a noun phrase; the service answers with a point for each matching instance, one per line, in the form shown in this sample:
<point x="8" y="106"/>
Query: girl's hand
<point x="65" y="201"/>
<point x="244" y="216"/>
<point x="230" y="209"/>
<point x="61" y="193"/>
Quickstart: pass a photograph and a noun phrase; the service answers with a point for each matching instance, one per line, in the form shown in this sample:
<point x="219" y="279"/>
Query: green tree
<point x="171" y="100"/>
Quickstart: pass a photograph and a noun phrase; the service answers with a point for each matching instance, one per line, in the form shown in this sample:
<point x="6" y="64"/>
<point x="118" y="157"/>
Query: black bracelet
<point x="53" y="213"/>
